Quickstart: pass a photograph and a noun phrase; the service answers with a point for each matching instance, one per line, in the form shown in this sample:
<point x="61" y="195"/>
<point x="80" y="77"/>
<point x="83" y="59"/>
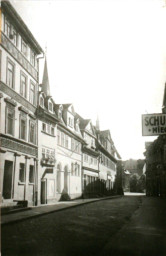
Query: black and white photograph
<point x="83" y="127"/>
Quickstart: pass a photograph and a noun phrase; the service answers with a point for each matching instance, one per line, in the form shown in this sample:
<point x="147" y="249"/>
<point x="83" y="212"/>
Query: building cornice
<point x="23" y="29"/>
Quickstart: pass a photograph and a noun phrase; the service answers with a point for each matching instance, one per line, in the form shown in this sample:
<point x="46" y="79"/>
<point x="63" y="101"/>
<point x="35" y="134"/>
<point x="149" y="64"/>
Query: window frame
<point x="34" y="98"/>
<point x="20" y="180"/>
<point x="33" y="179"/>
<point x="13" y="73"/>
<point x="23" y="43"/>
<point x="23" y="117"/>
<point x="8" y="107"/>
<point x="34" y="123"/>
<point x="22" y="74"/>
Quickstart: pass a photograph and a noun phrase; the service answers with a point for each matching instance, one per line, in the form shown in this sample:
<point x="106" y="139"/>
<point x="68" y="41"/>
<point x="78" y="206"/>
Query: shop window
<point x="31" y="174"/>
<point x="22" y="172"/>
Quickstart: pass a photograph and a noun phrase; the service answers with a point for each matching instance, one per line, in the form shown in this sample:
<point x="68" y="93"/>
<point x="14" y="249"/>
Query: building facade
<point x="48" y="152"/>
<point x="18" y="102"/>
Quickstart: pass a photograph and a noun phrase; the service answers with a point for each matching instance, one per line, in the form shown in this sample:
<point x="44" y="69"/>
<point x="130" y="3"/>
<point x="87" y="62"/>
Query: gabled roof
<point x="83" y="122"/>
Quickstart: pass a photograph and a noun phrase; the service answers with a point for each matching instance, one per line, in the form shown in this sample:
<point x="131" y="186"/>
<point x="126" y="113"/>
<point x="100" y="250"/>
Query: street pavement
<point x="128" y="226"/>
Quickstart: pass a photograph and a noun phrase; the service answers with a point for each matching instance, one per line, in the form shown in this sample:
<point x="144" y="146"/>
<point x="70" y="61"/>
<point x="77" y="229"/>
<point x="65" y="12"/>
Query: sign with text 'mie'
<point x="153" y="124"/>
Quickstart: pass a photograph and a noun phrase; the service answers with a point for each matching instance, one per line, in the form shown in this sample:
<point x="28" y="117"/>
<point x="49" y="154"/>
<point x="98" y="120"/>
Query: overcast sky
<point x="108" y="58"/>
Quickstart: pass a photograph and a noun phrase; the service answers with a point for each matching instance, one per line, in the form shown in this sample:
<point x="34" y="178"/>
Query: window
<point x="41" y="102"/>
<point x="14" y="37"/>
<point x="78" y="169"/>
<point x="7" y="27"/>
<point x="23" y="127"/>
<point x="58" y="137"/>
<point x="52" y="131"/>
<point x="32" y="93"/>
<point x="48" y="128"/>
<point x="72" y="144"/>
<point x="23" y="85"/>
<point x="32" y="132"/>
<point x="22" y="172"/>
<point x="10" y="116"/>
<point x="43" y="152"/>
<point x="47" y="153"/>
<point x="32" y="57"/>
<point x="50" y="107"/>
<point x="44" y="127"/>
<point x="72" y="169"/>
<point x="10" y="74"/>
<point x="31" y="174"/>
<point x="62" y="139"/>
<point x="24" y="48"/>
<point x="66" y="141"/>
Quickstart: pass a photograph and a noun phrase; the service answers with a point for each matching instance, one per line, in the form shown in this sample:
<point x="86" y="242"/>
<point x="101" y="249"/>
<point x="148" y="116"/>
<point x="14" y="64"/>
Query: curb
<point x="57" y="210"/>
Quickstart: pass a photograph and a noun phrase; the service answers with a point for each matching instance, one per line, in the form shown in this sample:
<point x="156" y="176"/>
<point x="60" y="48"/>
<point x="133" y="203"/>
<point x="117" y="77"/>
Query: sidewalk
<point x="144" y="235"/>
<point x="37" y="211"/>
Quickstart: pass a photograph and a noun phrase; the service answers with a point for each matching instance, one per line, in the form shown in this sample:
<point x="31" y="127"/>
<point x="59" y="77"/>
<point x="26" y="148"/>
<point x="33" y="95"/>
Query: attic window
<point x="70" y="122"/>
<point x="41" y="102"/>
<point x="50" y="107"/>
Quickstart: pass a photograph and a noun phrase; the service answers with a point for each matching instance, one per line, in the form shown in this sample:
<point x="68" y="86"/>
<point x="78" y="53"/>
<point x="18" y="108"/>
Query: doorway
<point x="43" y="192"/>
<point x="7" y="180"/>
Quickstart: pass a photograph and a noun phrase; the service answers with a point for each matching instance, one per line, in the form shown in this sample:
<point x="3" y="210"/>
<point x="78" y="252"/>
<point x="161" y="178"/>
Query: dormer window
<point x="41" y="102"/>
<point x="70" y="122"/>
<point x="50" y="106"/>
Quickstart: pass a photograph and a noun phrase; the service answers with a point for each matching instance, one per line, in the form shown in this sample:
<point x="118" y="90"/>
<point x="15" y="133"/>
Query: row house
<point x="69" y="152"/>
<point x="108" y="159"/>
<point x="48" y="151"/>
<point x="90" y="168"/>
<point x="18" y="102"/>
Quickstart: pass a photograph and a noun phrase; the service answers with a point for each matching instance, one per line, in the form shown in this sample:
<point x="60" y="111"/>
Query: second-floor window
<point x="32" y="132"/>
<point x="10" y="74"/>
<point x="10" y="116"/>
<point x="32" y="93"/>
<point x="7" y="27"/>
<point x="24" y="48"/>
<point x="58" y="137"/>
<point x="41" y="102"/>
<point x="23" y="127"/>
<point x="32" y="57"/>
<point x="23" y="85"/>
<point x="50" y="106"/>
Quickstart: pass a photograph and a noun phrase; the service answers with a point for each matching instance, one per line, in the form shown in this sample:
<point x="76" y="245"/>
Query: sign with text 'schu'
<point x="153" y="124"/>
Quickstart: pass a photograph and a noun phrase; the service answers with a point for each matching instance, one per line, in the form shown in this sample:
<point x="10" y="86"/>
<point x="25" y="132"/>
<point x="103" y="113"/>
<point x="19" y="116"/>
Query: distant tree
<point x="141" y="184"/>
<point x="133" y="182"/>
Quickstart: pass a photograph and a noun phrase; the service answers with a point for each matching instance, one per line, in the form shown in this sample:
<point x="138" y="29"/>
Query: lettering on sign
<point x="153" y="124"/>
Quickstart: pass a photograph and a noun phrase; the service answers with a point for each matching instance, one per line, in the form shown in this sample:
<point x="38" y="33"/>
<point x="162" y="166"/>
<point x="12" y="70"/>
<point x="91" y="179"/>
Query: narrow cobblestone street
<point x="83" y="230"/>
<point x="108" y="227"/>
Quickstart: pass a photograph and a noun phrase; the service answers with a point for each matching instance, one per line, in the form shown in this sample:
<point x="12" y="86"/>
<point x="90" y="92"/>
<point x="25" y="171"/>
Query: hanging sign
<point x="153" y="124"/>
